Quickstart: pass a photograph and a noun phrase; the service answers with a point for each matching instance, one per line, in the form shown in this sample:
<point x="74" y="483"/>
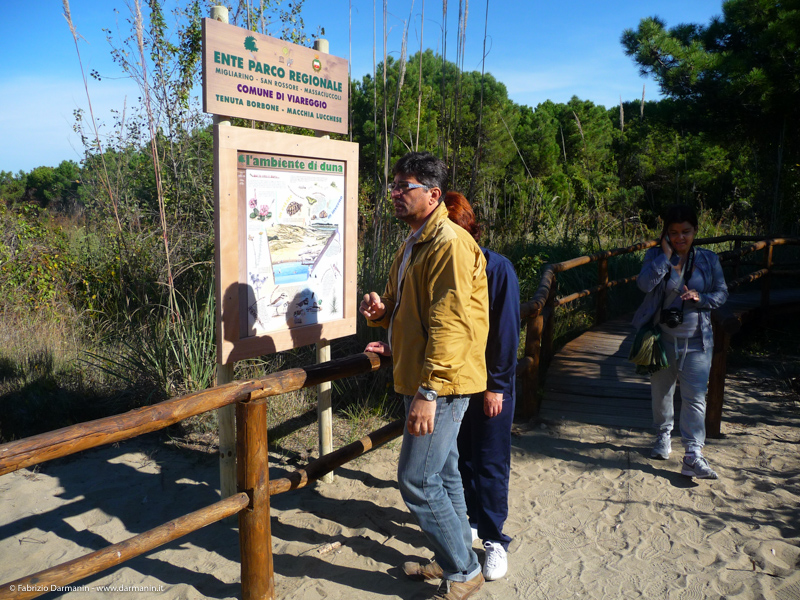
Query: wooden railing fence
<point x="251" y="502"/>
<point x="538" y="315"/>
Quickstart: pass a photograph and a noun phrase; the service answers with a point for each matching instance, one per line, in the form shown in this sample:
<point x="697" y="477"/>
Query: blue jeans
<point x="430" y="485"/>
<point x="484" y="460"/>
<point x="693" y="378"/>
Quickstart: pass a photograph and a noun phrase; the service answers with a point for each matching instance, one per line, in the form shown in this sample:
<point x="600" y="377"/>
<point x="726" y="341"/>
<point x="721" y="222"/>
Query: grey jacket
<point x="651" y="280"/>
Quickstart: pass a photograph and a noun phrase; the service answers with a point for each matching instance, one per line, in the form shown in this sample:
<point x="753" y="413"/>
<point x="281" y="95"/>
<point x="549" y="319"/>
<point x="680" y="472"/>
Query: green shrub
<point x="36" y="268"/>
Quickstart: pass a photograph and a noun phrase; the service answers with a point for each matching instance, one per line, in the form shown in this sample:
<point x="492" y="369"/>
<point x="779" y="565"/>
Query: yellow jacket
<point x="440" y="328"/>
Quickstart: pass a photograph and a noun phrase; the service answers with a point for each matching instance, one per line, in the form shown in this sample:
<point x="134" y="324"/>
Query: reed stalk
<point x="105" y="181"/>
<point x="151" y="120"/>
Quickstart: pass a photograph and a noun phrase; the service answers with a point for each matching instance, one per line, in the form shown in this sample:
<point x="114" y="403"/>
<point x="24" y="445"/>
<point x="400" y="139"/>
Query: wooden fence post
<point x="716" y="380"/>
<point x="601" y="307"/>
<point x="324" y="407"/>
<point x="252" y="475"/>
<point x="548" y="314"/>
<point x="765" y="280"/>
<point x="529" y="407"/>
<point x="226" y="417"/>
<point x="226" y="430"/>
<point x="737" y="245"/>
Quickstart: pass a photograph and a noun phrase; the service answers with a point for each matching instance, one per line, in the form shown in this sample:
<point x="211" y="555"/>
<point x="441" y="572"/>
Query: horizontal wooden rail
<point x="96" y="562"/>
<point x="588" y="292"/>
<point x="536" y="304"/>
<point x="747" y="278"/>
<point x="786" y="272"/>
<point x="325" y="464"/>
<point x="69" y="440"/>
<point x="731" y="254"/>
<point x="549" y="272"/>
<point x="90" y="564"/>
<point x="721" y="239"/>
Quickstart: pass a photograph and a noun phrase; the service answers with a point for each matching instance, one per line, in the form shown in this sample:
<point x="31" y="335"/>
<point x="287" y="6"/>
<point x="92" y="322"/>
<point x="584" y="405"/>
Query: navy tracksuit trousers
<point x="484" y="460"/>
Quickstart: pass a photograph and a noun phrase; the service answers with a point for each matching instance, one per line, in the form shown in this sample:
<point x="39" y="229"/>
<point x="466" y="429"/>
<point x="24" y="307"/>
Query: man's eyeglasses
<point x="403" y="186"/>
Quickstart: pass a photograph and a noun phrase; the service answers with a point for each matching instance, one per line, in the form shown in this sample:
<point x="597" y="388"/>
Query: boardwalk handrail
<point x="84" y="436"/>
<point x="538" y="313"/>
<point x="251" y="502"/>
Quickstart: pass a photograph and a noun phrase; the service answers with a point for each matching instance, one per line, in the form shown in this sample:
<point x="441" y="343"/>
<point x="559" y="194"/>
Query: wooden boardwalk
<point x="590" y="380"/>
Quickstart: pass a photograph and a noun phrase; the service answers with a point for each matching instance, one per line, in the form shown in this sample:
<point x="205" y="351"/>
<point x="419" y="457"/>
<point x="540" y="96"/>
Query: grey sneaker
<point x="662" y="446"/>
<point x="697" y="467"/>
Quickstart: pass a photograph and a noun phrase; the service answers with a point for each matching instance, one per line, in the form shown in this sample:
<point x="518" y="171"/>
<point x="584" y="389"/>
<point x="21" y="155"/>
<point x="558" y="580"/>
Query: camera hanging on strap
<point x="672" y="317"/>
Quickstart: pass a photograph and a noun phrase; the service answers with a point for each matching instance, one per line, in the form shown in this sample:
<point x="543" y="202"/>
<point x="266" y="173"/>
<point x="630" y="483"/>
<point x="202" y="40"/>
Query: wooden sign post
<point x="226" y="416"/>
<point x="285" y="206"/>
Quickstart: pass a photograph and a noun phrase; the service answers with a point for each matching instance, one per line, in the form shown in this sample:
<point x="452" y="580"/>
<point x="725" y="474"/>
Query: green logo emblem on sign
<point x="316" y="64"/>
<point x="250" y="43"/>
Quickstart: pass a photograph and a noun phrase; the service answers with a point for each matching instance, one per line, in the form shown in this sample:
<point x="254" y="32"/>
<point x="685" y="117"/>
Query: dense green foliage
<point x="736" y="82"/>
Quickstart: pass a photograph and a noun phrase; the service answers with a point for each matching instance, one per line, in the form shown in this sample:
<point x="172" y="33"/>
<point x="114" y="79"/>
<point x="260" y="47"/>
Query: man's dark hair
<point x="425" y="168"/>
<point x="680" y="213"/>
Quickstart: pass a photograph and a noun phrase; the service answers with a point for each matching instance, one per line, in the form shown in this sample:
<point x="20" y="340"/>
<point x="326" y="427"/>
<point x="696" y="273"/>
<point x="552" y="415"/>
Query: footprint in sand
<point x="713" y="525"/>
<point x="656" y="589"/>
<point x="663" y="501"/>
<point x="789" y="591"/>
<point x="695" y="535"/>
<point x="567" y="533"/>
<point x="731" y="490"/>
<point x="548" y="498"/>
<point x="694" y="563"/>
<point x="733" y="582"/>
<point x="657" y="545"/>
<point x="704" y="503"/>
<point x="694" y="591"/>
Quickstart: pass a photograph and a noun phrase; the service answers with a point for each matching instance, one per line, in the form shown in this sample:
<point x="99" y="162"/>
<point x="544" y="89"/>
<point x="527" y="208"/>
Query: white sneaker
<point x="474" y="533"/>
<point x="496" y="563"/>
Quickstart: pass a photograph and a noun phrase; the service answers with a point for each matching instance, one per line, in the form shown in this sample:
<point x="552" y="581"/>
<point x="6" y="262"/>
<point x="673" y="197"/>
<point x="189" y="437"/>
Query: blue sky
<point x="539" y="50"/>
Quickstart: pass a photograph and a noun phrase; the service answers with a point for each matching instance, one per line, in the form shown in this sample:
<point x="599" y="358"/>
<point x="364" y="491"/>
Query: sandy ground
<point x="591" y="517"/>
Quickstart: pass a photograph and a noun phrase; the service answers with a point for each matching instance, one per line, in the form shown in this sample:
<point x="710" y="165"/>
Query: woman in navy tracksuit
<point x="484" y="441"/>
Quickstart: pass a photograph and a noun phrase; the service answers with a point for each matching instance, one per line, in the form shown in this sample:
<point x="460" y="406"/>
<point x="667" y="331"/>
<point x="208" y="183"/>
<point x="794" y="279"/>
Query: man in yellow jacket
<point x="435" y="307"/>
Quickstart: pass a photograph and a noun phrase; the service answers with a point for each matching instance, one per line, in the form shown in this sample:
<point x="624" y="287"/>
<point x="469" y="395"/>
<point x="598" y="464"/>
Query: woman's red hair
<point x="460" y="213"/>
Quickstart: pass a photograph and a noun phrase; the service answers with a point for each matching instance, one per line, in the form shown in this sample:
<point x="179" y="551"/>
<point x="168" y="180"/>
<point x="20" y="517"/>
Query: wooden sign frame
<point x="254" y="76"/>
<point x="237" y="148"/>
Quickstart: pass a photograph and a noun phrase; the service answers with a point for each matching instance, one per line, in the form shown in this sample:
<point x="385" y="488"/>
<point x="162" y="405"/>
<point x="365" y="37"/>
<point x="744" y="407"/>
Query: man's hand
<point x="381" y="348"/>
<point x="421" y="416"/>
<point x="372" y="307"/>
<point x="492" y="403"/>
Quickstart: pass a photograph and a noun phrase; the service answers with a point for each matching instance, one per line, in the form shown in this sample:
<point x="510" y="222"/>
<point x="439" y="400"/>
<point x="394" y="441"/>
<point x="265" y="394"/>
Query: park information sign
<point x="295" y="210"/>
<point x="254" y="76"/>
<point x="286" y="241"/>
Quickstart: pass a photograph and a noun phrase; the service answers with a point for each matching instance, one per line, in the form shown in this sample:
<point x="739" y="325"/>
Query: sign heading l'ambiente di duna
<point x="250" y="160"/>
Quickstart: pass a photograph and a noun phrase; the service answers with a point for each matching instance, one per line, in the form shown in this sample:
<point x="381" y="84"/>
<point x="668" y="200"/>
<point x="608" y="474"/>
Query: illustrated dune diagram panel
<point x="295" y="261"/>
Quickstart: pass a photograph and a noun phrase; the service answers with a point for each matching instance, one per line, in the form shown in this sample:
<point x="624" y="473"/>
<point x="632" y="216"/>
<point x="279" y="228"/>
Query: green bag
<point x="647" y="352"/>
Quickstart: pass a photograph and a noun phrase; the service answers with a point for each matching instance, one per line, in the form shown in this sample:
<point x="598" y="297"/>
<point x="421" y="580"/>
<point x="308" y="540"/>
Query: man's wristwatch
<point x="429" y="395"/>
